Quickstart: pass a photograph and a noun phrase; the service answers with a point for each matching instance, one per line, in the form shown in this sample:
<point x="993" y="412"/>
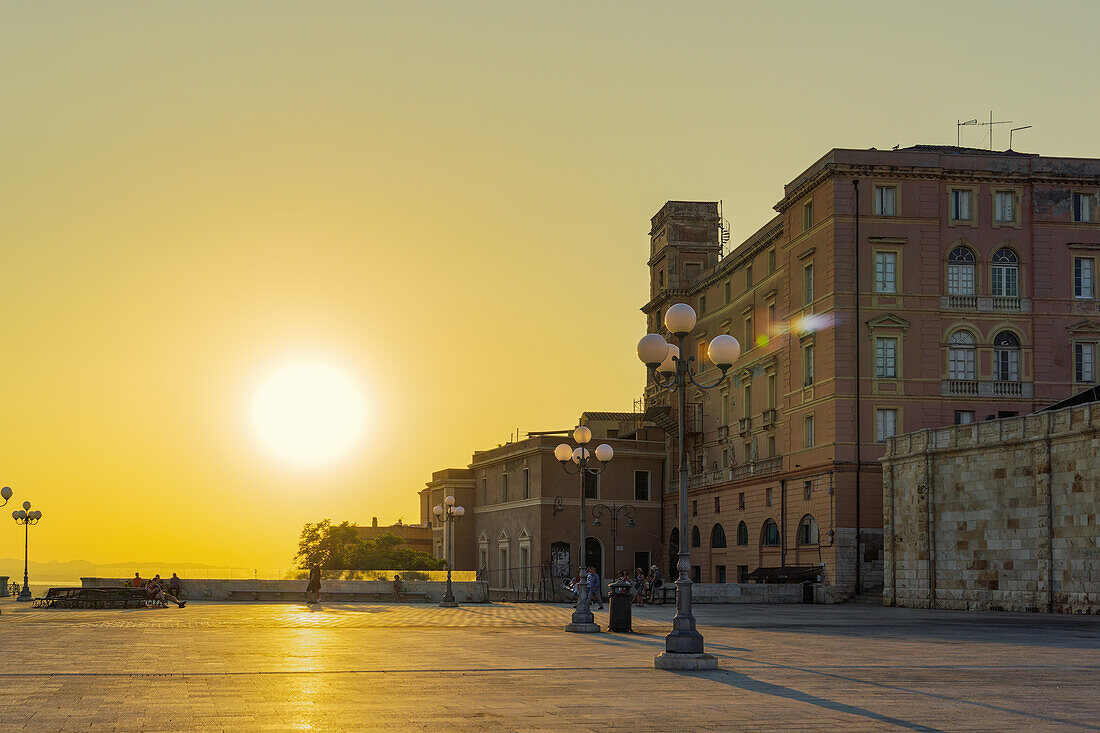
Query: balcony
<point x="744" y="425"/>
<point x="1008" y="389"/>
<point x="985" y="304"/>
<point x="758" y="468"/>
<point x="709" y="478"/>
<point x="767" y="418"/>
<point x="723" y="432"/>
<point x="963" y="387"/>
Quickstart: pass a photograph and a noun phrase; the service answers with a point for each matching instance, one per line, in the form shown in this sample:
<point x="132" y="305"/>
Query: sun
<point x="308" y="413"/>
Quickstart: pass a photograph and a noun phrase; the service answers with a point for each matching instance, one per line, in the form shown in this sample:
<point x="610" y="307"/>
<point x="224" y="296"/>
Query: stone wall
<point x="746" y="593"/>
<point x="996" y="515"/>
<point x="215" y="589"/>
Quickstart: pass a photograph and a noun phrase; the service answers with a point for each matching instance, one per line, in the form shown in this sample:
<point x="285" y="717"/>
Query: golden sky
<point x="447" y="201"/>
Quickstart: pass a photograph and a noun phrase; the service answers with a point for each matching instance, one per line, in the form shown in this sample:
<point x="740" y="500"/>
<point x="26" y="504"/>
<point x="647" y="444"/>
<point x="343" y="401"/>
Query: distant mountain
<point x="73" y="570"/>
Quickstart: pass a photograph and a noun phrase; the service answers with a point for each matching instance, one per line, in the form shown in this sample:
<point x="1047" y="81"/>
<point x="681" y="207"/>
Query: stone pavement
<point x="255" y="666"/>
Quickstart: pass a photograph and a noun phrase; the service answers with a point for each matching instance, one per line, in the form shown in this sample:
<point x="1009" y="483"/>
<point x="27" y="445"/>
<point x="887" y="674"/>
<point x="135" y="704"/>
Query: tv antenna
<point x="1015" y="129"/>
<point x="958" y="130"/>
<point x="990" y="125"/>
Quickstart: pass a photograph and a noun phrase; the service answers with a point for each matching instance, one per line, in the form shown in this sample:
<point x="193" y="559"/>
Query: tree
<point x="338" y="547"/>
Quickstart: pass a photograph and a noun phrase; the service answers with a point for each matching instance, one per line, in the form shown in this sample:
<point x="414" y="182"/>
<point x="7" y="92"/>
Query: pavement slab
<point x="511" y="667"/>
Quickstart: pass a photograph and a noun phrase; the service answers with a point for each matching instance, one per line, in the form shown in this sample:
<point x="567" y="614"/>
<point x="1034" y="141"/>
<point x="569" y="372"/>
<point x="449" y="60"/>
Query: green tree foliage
<point x="338" y="547"/>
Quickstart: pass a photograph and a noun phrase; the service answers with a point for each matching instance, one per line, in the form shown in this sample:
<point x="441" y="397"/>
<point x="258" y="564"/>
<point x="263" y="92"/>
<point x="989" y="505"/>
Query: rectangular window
<point x="750" y="334"/>
<point x="960" y="204"/>
<point x="886" y="424"/>
<point x="960" y="363"/>
<point x="726" y="291"/>
<point x="526" y="483"/>
<point x="964" y="417"/>
<point x="748" y="452"/>
<point x="719" y="573"/>
<point x="884" y="200"/>
<point x="1006" y="365"/>
<point x="808" y="216"/>
<point x="484" y="491"/>
<point x="808" y="365"/>
<point x="771" y="391"/>
<point x="808" y="284"/>
<point x="504" y="488"/>
<point x="886" y="358"/>
<point x="770" y="325"/>
<point x="1004" y="207"/>
<point x="1082" y="207"/>
<point x="591" y="486"/>
<point x="771" y="446"/>
<point x="641" y="486"/>
<point x="694" y="508"/>
<point x="702" y="304"/>
<point x="1084" y="363"/>
<point x="660" y="278"/>
<point x="768" y="497"/>
<point x="960" y="279"/>
<point x="771" y="261"/>
<point x="747" y="393"/>
<point x="1083" y="286"/>
<point x="808" y="431"/>
<point x="886" y="272"/>
<point x="741" y="500"/>
<point x="808" y="489"/>
<point x="742" y="573"/>
<point x="1006" y="281"/>
<point x="701" y="356"/>
<point x="717" y="505"/>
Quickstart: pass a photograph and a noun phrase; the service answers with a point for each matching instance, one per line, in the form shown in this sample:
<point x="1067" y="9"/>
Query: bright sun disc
<point x="307" y="413"/>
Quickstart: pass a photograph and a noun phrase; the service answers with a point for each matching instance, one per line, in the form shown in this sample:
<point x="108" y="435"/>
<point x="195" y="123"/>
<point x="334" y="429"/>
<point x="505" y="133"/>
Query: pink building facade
<point x="976" y="298"/>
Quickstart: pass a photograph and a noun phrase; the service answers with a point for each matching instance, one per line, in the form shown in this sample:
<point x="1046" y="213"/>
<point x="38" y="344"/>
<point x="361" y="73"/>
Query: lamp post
<point x="603" y="510"/>
<point x="672" y="372"/>
<point x="583" y="621"/>
<point x="448" y="513"/>
<point x="26" y="517"/>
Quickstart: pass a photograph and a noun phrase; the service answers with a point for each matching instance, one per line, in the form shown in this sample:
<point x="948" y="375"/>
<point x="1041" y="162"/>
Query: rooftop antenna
<point x="958" y="130"/>
<point x="1015" y="129"/>
<point x="990" y="124"/>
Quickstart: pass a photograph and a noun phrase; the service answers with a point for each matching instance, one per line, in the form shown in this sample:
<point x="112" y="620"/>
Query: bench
<point x="122" y="597"/>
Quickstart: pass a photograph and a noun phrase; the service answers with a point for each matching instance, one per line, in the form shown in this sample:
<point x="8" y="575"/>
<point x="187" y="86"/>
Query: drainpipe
<point x="859" y="407"/>
<point x="783" y="522"/>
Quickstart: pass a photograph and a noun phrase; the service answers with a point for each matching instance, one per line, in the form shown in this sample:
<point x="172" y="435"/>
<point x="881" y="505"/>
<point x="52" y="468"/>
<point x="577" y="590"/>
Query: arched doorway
<point x="593" y="554"/>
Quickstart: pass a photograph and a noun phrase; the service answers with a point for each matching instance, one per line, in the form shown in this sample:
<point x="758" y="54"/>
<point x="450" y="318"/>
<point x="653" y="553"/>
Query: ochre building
<point x="893" y="291"/>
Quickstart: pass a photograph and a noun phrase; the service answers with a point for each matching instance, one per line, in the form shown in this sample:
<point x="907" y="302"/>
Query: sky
<point x="448" y="203"/>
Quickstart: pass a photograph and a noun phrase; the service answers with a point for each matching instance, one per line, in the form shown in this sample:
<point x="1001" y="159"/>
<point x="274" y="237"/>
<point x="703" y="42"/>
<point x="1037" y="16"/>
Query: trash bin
<point x="3" y="586"/>
<point x="619" y="602"/>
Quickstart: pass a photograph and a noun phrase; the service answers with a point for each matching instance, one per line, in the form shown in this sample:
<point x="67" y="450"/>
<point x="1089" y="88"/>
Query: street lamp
<point x="603" y="510"/>
<point x="583" y="621"/>
<point x="670" y="371"/>
<point x="25" y="517"/>
<point x="449" y="514"/>
<point x="5" y="494"/>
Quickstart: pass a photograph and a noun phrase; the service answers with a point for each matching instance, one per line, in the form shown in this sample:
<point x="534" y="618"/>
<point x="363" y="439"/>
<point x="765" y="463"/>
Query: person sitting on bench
<point x="397" y="587"/>
<point x="154" y="592"/>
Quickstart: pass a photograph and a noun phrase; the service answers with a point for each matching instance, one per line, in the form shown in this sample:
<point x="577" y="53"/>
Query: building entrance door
<point x="593" y="554"/>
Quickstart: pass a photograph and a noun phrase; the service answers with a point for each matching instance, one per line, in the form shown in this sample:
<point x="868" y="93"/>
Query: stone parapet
<point x="746" y="593"/>
<point x="222" y="589"/>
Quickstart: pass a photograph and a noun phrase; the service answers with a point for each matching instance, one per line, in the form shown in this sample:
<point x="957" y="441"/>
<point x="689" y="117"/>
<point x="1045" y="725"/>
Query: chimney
<point x="374" y="521"/>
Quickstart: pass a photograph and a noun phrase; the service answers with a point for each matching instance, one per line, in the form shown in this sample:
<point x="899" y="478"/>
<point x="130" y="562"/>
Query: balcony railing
<point x="959" y="387"/>
<point x="723" y="432"/>
<point x="708" y="478"/>
<point x="758" y="468"/>
<point x="744" y="424"/>
<point x="1005" y="303"/>
<point x="767" y="418"/>
<point x="960" y="302"/>
<point x="1008" y="389"/>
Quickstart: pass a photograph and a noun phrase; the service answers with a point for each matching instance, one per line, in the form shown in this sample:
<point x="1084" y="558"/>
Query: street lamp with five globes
<point x="26" y="517"/>
<point x="448" y="513"/>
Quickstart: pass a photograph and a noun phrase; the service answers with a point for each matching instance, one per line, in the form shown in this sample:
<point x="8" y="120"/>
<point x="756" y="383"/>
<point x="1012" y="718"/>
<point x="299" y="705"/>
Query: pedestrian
<point x="137" y="582"/>
<point x="174" y="585"/>
<point x="639" y="587"/>
<point x="656" y="595"/>
<point x="313" y="590"/>
<point x="396" y="587"/>
<point x="594" y="593"/>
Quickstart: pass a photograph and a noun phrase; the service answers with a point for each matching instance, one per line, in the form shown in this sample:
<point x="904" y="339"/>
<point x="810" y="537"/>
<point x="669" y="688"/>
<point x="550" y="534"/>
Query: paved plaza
<point x="256" y="666"/>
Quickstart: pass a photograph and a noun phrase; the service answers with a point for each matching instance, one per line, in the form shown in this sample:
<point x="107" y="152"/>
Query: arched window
<point x="807" y="531"/>
<point x="960" y="356"/>
<point x="1006" y="273"/>
<point x="1006" y="357"/>
<point x="742" y="534"/>
<point x="718" y="536"/>
<point x="960" y="272"/>
<point x="769" y="536"/>
<point x="696" y="540"/>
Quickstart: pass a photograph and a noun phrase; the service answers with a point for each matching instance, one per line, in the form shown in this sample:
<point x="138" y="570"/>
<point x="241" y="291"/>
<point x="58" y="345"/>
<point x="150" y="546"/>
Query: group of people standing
<point x="646" y="587"/>
<point x="157" y="590"/>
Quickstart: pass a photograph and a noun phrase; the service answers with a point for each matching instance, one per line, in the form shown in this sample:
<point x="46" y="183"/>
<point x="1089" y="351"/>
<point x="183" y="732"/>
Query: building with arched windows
<point x="892" y="291"/>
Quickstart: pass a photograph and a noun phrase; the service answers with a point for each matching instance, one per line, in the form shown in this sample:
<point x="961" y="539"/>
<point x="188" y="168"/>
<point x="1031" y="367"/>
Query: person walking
<point x="639" y="587"/>
<point x="594" y="594"/>
<point x="313" y="590"/>
<point x="656" y="595"/>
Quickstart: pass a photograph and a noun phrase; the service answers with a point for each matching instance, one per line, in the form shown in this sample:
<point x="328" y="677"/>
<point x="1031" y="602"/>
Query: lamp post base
<point x="448" y="603"/>
<point x="24" y="595"/>
<point x="674" y="660"/>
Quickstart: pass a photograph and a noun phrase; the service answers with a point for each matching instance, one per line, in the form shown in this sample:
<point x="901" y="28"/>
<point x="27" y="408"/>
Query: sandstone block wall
<point x="997" y="515"/>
